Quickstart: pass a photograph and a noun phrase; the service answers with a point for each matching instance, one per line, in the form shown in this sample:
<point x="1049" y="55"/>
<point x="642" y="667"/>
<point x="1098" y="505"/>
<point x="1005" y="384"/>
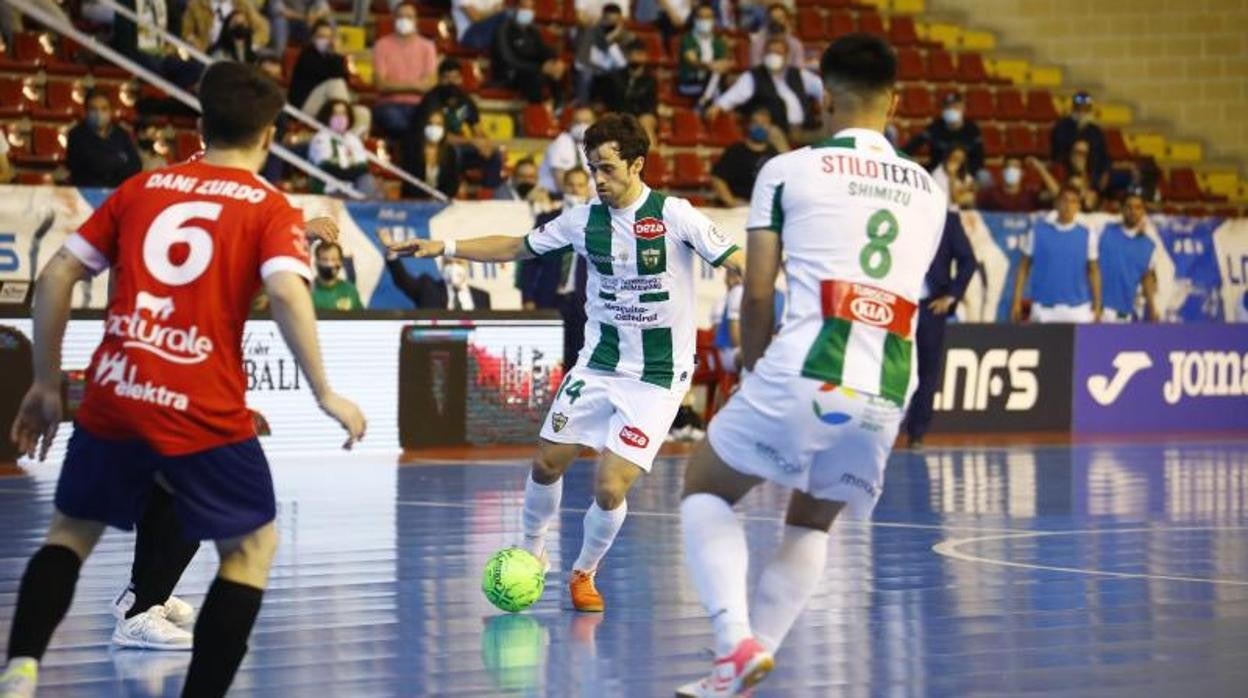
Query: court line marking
<point x="950" y="549"/>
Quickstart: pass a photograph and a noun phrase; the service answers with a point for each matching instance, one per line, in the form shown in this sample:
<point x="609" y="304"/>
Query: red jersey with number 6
<point x="188" y="246"/>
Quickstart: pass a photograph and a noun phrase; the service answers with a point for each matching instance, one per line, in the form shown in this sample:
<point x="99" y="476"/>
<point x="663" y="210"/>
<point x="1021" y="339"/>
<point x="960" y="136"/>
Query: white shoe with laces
<point x="151" y="630"/>
<point x="177" y="611"/>
<point x="19" y="678"/>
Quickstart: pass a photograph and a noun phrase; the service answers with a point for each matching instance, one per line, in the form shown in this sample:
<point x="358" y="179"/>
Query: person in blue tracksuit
<point x="1060" y="264"/>
<point x="1128" y="259"/>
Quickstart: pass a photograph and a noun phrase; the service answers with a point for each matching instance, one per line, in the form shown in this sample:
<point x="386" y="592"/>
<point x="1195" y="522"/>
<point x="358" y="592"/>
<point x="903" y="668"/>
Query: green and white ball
<point x="513" y="579"/>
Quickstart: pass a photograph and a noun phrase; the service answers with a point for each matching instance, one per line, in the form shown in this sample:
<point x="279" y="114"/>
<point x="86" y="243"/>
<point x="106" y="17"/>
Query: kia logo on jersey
<point x="634" y="437"/>
<point x="649" y="229"/>
<point x="871" y="311"/>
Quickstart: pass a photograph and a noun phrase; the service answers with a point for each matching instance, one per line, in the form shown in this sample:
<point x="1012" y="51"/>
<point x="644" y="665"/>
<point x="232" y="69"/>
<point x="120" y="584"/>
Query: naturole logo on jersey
<point x="634" y="437"/>
<point x="142" y="330"/>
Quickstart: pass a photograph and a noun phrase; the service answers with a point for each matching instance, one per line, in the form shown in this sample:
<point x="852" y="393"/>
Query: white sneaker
<point x="19" y="678"/>
<point x="151" y="630"/>
<point x="179" y="612"/>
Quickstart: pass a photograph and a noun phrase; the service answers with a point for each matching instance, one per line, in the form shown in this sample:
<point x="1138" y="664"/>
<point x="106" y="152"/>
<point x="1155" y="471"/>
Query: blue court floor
<point x="1086" y="571"/>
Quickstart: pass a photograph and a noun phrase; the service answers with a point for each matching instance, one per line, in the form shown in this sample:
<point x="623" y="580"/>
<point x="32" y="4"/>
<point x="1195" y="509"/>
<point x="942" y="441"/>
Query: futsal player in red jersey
<point x="189" y="247"/>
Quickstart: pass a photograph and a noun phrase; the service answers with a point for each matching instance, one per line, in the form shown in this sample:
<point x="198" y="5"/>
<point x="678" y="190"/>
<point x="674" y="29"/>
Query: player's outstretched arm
<point x="40" y="412"/>
<point x="758" y="309"/>
<point x="291" y="305"/>
<point x="490" y="248"/>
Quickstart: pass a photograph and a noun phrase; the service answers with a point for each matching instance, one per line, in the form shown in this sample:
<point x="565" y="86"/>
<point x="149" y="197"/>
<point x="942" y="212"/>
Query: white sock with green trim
<point x="541" y="506"/>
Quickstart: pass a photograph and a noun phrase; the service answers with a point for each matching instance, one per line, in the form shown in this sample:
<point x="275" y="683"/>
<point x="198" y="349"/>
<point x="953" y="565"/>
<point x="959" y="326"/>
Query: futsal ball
<point x="513" y="579"/>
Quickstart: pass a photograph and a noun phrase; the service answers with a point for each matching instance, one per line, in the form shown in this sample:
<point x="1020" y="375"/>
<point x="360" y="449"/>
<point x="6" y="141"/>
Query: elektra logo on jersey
<point x="143" y="329"/>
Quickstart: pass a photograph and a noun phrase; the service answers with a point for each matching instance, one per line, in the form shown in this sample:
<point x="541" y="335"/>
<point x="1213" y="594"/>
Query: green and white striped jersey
<point x="640" y="299"/>
<point x="860" y="225"/>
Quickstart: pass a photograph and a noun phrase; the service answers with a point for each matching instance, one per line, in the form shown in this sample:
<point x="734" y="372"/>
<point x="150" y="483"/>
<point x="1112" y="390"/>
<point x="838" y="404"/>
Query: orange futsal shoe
<point x="585" y="596"/>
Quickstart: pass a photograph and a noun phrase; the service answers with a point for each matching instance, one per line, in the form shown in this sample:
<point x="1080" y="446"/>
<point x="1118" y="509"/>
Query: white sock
<point x="601" y="527"/>
<point x="717" y="558"/>
<point x="541" y="506"/>
<point x="787" y="583"/>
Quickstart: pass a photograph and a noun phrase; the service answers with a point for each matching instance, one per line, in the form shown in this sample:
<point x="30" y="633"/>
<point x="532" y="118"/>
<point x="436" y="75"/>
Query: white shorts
<point x="1062" y="313"/>
<point x="621" y="414"/>
<point x="831" y="443"/>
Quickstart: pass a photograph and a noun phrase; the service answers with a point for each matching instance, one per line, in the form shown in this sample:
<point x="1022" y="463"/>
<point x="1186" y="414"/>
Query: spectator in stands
<point x="291" y="19"/>
<point x="320" y="74"/>
<point x="704" y="59"/>
<point x="946" y="130"/>
<point x="565" y="152"/>
<point x="792" y="95"/>
<point x="952" y="176"/>
<point x="477" y="21"/>
<point x="1075" y="126"/>
<point x="1012" y="195"/>
<point x="943" y="287"/>
<point x="234" y="42"/>
<point x="429" y="157"/>
<point x="330" y="291"/>
<point x="779" y="25"/>
<point x="405" y="67"/>
<point x="100" y="153"/>
<point x="203" y="21"/>
<point x="6" y="169"/>
<point x="451" y="292"/>
<point x="153" y="149"/>
<point x="600" y="49"/>
<point x="670" y="17"/>
<point x="733" y="176"/>
<point x="1089" y="197"/>
<point x="274" y="168"/>
<point x="1128" y="262"/>
<point x="463" y="124"/>
<point x="570" y="295"/>
<point x="1060" y="263"/>
<point x="140" y="44"/>
<point x="634" y="90"/>
<point x="588" y="12"/>
<point x="521" y="59"/>
<point x="1080" y="162"/>
<point x="523" y="186"/>
<point x="339" y="151"/>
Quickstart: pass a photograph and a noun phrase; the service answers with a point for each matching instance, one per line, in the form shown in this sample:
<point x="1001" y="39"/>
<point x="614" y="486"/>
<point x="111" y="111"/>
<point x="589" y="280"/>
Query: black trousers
<point x="572" y="308"/>
<point x="930" y="346"/>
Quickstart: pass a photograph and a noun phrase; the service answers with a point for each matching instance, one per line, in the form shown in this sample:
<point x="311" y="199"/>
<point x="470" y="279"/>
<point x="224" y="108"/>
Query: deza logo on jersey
<point x="650" y="230"/>
<point x="990" y="376"/>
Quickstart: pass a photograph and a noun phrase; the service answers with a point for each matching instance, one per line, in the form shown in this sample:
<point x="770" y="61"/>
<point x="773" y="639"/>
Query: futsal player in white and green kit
<point x="640" y="337"/>
<point x="858" y="225"/>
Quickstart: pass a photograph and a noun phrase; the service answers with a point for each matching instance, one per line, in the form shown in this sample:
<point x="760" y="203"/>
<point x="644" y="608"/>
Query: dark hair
<point x="449" y="65"/>
<point x="96" y="92"/>
<point x="239" y="103"/>
<point x="522" y="162"/>
<point x="1071" y="188"/>
<point x="316" y="27"/>
<point x="703" y="6"/>
<point x="612" y="8"/>
<point x="326" y="246"/>
<point x="777" y="6"/>
<point x="574" y="171"/>
<point x="622" y="129"/>
<point x="862" y="62"/>
<point x="328" y="110"/>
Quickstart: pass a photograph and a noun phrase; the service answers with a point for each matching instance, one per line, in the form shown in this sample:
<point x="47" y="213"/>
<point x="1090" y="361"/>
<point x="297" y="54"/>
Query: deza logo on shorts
<point x="142" y="329"/>
<point x="634" y="437"/>
<point x="1192" y="374"/>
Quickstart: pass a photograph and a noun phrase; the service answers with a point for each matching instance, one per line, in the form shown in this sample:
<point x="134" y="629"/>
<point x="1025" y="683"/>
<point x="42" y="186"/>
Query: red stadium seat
<point x="1010" y="105"/>
<point x="940" y="67"/>
<point x="654" y="172"/>
<point x="1184" y="186"/>
<point x="911" y="66"/>
<point x="548" y="11"/>
<point x="839" y="24"/>
<point x="385" y="25"/>
<point x="30" y="46"/>
<point x="687" y="128"/>
<point x="538" y="122"/>
<point x="655" y="53"/>
<point x="971" y="68"/>
<point x="1116" y="145"/>
<point x="691" y="172"/>
<point x="871" y="22"/>
<point x="916" y="103"/>
<point x="901" y="31"/>
<point x="64" y="97"/>
<point x="34" y="178"/>
<point x="428" y="27"/>
<point x="1040" y="106"/>
<point x="11" y="98"/>
<point x="47" y="146"/>
<point x="980" y="105"/>
<point x="1020" y="139"/>
<point x="810" y="24"/>
<point x="994" y="141"/>
<point x="725" y="130"/>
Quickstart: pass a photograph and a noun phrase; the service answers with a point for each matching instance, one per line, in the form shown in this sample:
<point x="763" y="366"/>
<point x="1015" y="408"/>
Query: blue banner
<point x="401" y="220"/>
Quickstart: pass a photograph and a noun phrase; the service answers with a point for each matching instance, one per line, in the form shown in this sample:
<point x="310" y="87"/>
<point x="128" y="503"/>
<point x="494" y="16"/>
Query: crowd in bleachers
<point x="457" y="91"/>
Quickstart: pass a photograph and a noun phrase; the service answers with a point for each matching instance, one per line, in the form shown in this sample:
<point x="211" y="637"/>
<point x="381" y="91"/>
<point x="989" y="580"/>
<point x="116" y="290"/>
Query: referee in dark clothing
<point x="942" y="289"/>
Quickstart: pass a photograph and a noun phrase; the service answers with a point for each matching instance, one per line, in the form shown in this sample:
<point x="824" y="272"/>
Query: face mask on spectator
<point x="1083" y="117"/>
<point x="404" y="26"/>
<point x="524" y="189"/>
<point x="757" y="133"/>
<point x="1012" y="176"/>
<point x="952" y="116"/>
<point x="524" y="16"/>
<point x="97" y="120"/>
<point x="578" y="132"/>
<point x="339" y="123"/>
<point x="774" y="62"/>
<point x="434" y="133"/>
<point x="327" y="273"/>
<point x="570" y="200"/>
<point x="322" y="45"/>
<point x="704" y="26"/>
